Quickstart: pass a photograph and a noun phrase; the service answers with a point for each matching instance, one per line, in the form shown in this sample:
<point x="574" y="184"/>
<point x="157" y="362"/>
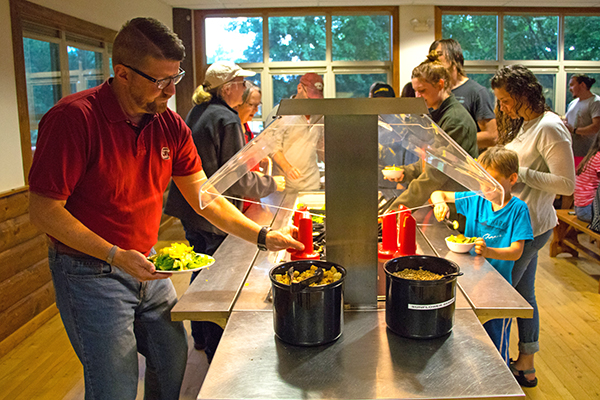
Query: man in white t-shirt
<point x="301" y="143"/>
<point x="583" y="115"/>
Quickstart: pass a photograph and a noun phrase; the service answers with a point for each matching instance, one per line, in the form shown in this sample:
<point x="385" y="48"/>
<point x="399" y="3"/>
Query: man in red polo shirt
<point x="104" y="158"/>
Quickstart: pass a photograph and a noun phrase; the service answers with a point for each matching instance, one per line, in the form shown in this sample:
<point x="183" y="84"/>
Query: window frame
<point x="24" y="13"/>
<point x="328" y="67"/>
<point x="560" y="67"/>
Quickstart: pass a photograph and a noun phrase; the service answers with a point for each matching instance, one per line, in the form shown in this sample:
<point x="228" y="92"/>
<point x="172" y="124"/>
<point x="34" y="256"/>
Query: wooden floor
<point x="44" y="366"/>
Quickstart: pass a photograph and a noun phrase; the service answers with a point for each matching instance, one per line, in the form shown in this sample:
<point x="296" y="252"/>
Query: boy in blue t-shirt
<point x="501" y="231"/>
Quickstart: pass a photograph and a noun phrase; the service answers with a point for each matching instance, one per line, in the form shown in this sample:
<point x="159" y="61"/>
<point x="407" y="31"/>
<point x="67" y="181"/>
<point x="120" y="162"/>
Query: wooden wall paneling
<point x="25" y="309"/>
<point x="26" y="330"/>
<point x="14" y="203"/>
<point x="182" y="26"/>
<point x="16" y="231"/>
<point x="22" y="256"/>
<point x="23" y="284"/>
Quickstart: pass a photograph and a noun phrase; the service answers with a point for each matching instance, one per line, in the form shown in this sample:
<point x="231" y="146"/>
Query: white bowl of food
<point x="460" y="243"/>
<point x="392" y="172"/>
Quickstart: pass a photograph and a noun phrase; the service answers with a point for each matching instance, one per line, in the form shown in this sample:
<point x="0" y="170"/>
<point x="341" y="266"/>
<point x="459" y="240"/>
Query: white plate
<point x="212" y="261"/>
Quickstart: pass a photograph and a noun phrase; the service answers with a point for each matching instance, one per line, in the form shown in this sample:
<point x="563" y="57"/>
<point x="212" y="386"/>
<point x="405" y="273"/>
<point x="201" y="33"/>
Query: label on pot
<point x="430" y="306"/>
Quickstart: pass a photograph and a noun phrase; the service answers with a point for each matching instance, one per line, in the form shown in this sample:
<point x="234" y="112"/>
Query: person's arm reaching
<point x="228" y="218"/>
<point x="488" y="133"/>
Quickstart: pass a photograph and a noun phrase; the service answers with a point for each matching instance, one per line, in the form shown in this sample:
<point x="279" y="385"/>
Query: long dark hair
<point x="522" y="85"/>
<point x="590" y="154"/>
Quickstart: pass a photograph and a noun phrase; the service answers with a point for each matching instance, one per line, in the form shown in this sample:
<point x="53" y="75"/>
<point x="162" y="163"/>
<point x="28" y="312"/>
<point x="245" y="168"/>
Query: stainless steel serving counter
<point x="367" y="362"/>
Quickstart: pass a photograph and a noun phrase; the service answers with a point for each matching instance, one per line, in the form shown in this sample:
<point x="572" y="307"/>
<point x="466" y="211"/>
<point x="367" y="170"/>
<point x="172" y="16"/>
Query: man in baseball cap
<point x="310" y="86"/>
<point x="380" y="89"/>
<point x="222" y="72"/>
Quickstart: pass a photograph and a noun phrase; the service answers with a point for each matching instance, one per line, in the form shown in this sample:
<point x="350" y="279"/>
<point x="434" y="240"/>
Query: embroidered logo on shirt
<point x="164" y="153"/>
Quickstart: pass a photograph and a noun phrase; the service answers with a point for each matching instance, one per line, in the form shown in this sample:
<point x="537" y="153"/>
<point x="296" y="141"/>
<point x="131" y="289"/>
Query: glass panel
<point x="234" y="39"/>
<point x="582" y="41"/>
<point x="42" y="71"/>
<point x="477" y="34"/>
<point x="360" y="38"/>
<point x="595" y="89"/>
<point x="356" y="85"/>
<point x="418" y="134"/>
<point x="85" y="68"/>
<point x="297" y="38"/>
<point x="530" y="38"/>
<point x="548" y="82"/>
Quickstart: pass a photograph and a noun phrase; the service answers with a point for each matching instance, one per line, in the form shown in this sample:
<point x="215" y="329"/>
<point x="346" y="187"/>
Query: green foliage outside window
<point x="530" y="38"/>
<point x="297" y="38"/>
<point x="361" y="38"/>
<point x="582" y="41"/>
<point x="476" y="34"/>
<point x="356" y="85"/>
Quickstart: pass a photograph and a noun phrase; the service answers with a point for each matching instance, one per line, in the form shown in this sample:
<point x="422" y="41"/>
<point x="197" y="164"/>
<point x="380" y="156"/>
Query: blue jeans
<point x="205" y="333"/>
<point x="109" y="317"/>
<point x="523" y="279"/>
<point x="584" y="213"/>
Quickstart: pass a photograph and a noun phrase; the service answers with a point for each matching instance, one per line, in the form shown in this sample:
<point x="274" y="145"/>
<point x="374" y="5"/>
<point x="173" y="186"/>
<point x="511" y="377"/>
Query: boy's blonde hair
<point x="500" y="159"/>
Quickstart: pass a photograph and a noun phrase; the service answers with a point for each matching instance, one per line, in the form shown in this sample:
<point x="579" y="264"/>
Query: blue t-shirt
<point x="499" y="228"/>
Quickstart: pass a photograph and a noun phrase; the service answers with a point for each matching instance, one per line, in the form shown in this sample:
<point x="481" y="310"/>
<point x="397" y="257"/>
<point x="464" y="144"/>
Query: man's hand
<point x="284" y="238"/>
<point x="137" y="265"/>
<point x="280" y="182"/>
<point x="480" y="246"/>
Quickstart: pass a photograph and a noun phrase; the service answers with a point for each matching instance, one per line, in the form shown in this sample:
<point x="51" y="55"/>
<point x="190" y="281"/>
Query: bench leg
<point x="561" y="232"/>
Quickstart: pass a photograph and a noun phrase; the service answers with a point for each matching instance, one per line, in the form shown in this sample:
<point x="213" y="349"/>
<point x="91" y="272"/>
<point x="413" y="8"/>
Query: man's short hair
<point x="146" y="37"/>
<point x="452" y="52"/>
<point x="501" y="159"/>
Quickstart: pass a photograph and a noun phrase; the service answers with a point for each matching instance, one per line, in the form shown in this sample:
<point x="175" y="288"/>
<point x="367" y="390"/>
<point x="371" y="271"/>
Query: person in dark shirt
<point x="474" y="97"/>
<point x="217" y="134"/>
<point x="431" y="81"/>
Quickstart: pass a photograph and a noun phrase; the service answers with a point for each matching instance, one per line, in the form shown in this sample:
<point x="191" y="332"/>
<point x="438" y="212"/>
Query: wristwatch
<point x="262" y="238"/>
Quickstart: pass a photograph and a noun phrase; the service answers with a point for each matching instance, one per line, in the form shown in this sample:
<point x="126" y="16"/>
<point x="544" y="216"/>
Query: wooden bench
<point x="565" y="238"/>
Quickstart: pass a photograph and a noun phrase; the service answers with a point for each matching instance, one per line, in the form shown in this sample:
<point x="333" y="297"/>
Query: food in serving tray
<point x="179" y="257"/>
<point x="418" y="274"/>
<point x="461" y="239"/>
<point x="329" y="276"/>
<point x="392" y="168"/>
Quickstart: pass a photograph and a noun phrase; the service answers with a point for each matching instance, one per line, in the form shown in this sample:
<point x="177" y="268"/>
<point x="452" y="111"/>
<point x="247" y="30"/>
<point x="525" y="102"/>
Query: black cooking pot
<point x="311" y="315"/>
<point x="420" y="309"/>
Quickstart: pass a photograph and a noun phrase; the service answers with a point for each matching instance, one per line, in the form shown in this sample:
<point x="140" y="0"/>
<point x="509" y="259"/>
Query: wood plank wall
<point x="26" y="290"/>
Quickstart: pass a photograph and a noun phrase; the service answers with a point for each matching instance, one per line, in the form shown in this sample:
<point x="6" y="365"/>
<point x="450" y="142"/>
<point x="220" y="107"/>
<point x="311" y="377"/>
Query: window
<point x="349" y="47"/>
<point x="55" y="55"/>
<point x="554" y="44"/>
<point x="49" y="78"/>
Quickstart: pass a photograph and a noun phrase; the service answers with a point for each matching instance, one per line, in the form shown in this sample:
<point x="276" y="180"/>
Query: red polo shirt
<point x="112" y="178"/>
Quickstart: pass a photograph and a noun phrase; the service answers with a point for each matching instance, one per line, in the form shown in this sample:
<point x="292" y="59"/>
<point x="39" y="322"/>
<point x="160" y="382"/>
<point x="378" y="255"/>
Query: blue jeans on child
<point x="109" y="317"/>
<point x="499" y="331"/>
<point x="523" y="279"/>
<point x="584" y="213"/>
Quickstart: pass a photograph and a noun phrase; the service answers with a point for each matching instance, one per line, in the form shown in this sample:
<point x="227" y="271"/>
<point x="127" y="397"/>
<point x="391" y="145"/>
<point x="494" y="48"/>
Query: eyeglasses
<point x="160" y="83"/>
<point x="247" y="84"/>
<point x="253" y="105"/>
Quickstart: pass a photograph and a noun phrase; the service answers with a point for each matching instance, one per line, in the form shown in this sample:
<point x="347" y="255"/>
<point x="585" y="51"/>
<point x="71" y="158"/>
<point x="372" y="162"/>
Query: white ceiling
<point x="221" y="4"/>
